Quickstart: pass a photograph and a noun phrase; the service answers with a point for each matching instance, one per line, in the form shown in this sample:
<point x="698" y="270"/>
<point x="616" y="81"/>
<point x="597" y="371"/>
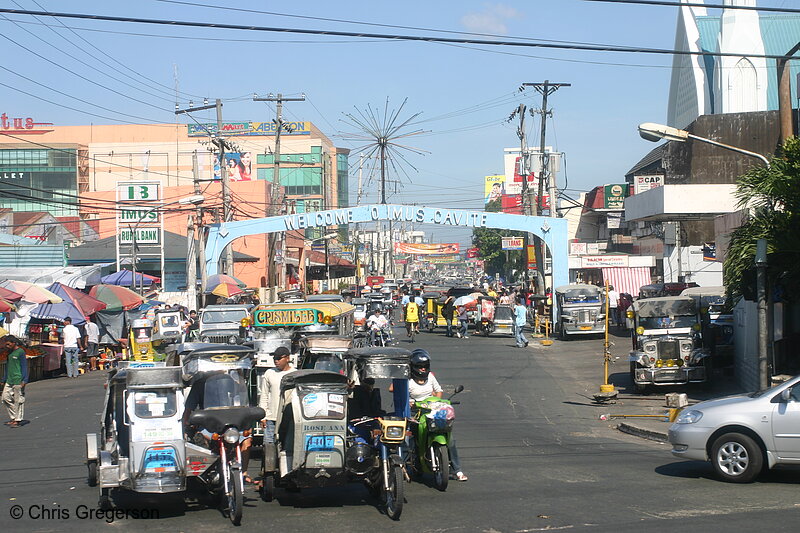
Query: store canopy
<point x="123" y="278"/>
<point x="31" y="292"/>
<point x="75" y="305"/>
<point x="116" y="297"/>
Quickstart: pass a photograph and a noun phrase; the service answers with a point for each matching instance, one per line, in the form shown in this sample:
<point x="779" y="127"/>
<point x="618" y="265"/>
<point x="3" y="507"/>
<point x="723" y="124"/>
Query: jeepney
<point x="668" y="347"/>
<point x="582" y="310"/>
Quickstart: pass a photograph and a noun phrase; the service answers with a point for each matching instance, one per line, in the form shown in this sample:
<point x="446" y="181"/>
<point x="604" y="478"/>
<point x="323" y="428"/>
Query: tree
<point x="772" y="195"/>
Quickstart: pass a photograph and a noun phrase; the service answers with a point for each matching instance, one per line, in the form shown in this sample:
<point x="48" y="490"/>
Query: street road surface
<point x="536" y="454"/>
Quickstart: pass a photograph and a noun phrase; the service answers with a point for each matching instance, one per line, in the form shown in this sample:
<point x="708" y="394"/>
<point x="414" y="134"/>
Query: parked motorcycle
<point x="434" y="418"/>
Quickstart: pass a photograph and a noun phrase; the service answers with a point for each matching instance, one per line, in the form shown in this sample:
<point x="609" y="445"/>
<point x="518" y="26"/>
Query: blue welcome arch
<point x="553" y="231"/>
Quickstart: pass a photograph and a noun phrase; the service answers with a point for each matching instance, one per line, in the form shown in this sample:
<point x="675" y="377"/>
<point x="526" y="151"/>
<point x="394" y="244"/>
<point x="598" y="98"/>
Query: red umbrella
<point x="9" y="295"/>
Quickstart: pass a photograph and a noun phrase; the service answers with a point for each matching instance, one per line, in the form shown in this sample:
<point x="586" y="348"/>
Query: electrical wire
<point x="397" y="37"/>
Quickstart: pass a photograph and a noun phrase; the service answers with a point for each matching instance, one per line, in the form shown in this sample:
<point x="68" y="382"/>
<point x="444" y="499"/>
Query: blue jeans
<point x="519" y="336"/>
<point x="71" y="357"/>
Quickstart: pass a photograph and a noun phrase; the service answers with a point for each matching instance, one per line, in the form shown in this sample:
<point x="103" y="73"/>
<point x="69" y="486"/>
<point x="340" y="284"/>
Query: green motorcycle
<point x="434" y="418"/>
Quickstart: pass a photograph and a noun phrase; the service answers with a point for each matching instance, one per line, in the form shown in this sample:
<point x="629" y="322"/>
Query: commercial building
<point x="78" y="171"/>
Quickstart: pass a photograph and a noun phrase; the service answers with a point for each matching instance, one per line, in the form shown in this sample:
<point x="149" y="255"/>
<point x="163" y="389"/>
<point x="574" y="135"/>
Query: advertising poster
<point x="239" y="166"/>
<point x="426" y="249"/>
<point x="494" y="188"/>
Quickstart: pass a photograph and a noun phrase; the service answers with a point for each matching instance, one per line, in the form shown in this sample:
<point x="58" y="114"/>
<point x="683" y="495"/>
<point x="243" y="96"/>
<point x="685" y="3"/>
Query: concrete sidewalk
<point x="580" y="365"/>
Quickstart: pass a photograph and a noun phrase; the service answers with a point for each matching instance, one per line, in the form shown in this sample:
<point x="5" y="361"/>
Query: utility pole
<point x="545" y="89"/>
<point x="221" y="145"/>
<point x="276" y="178"/>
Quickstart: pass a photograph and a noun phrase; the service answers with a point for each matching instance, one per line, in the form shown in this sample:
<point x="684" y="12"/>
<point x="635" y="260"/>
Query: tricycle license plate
<point x="320" y="443"/>
<point x="162" y="460"/>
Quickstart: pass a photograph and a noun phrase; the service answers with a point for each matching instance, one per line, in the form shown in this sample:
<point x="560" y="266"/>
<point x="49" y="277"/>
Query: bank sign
<point x="236" y="129"/>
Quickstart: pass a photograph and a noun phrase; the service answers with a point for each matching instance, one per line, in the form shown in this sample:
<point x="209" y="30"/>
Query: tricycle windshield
<point x="223" y="316"/>
<point x="322" y="404"/>
<point x="157" y="403"/>
<point x="667" y="322"/>
<point x="224" y="390"/>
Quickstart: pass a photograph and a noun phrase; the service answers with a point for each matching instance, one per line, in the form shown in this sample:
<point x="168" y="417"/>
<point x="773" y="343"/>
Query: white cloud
<point x="491" y="20"/>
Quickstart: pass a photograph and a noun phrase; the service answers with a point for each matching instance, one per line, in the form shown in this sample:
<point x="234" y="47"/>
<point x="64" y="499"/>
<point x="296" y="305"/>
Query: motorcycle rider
<point x="423" y="384"/>
<point x="376" y="322"/>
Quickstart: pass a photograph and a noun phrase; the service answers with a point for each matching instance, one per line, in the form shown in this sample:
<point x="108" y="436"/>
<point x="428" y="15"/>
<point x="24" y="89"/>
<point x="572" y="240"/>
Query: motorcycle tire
<point x="267" y="489"/>
<point x="394" y="494"/>
<point x="236" y="497"/>
<point x="441" y="475"/>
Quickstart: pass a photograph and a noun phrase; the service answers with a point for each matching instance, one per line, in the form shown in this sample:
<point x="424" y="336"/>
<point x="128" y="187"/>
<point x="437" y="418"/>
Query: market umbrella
<point x="10" y="296"/>
<point x="124" y="276"/>
<point x="116" y="297"/>
<point x="218" y="279"/>
<point x="31" y="292"/>
<point x="75" y="305"/>
<point x="6" y="306"/>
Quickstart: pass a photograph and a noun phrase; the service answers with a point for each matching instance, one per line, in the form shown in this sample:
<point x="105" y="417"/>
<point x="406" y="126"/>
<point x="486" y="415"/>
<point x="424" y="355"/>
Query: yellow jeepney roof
<point x="333" y="309"/>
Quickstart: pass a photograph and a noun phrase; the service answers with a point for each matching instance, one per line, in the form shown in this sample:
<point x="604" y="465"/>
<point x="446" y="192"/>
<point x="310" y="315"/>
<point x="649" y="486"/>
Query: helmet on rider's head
<point x="420" y="363"/>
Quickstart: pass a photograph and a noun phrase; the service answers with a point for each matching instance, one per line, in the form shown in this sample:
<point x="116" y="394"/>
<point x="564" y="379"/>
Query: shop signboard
<point x="645" y="183"/>
<point x="601" y="261"/>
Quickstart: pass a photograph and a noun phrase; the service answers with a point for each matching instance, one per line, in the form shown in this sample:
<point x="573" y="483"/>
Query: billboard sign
<point x="494" y="188"/>
<point x="513" y="243"/>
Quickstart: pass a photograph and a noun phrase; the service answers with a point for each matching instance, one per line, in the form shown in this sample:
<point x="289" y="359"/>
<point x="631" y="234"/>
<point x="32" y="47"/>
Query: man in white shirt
<point x="71" y="336"/>
<point x="270" y="390"/>
<point x="376" y="322"/>
<point x="91" y="342"/>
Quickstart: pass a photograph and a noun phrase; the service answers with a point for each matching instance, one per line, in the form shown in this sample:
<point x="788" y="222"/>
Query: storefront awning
<point x="627" y="279"/>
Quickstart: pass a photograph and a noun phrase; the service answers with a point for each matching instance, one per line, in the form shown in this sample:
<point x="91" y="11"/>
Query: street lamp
<point x="655" y="132"/>
<point x="195" y="199"/>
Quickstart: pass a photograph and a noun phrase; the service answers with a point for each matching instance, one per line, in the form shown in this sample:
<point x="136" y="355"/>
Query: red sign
<point x="21" y="126"/>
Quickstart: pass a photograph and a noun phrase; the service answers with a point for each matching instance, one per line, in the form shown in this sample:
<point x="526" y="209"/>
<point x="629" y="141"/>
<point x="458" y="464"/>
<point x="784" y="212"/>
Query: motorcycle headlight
<point x="689" y="417"/>
<point x="231" y="435"/>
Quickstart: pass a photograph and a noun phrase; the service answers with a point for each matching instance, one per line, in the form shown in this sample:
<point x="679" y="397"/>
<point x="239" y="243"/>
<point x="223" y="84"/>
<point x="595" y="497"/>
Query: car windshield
<point x="223" y="316"/>
<point x="667" y="322"/>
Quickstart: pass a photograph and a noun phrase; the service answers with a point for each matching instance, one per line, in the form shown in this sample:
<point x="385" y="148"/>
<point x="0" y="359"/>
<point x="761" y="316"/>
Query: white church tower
<point x="740" y="82"/>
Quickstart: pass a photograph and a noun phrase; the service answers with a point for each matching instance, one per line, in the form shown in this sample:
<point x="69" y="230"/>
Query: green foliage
<point x="773" y="196"/>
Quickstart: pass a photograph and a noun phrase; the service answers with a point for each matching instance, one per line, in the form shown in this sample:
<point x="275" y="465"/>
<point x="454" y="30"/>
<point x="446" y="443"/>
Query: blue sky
<point x="463" y="92"/>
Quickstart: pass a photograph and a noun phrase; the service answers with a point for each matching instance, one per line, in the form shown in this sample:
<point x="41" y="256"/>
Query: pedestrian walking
<point x="92" y="341"/>
<point x="448" y="310"/>
<point x="15" y="379"/>
<point x="462" y="322"/>
<point x="71" y="337"/>
<point x="613" y="304"/>
<point x="520" y="319"/>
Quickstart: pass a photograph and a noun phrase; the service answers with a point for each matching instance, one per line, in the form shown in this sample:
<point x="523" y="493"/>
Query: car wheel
<point x="737" y="458"/>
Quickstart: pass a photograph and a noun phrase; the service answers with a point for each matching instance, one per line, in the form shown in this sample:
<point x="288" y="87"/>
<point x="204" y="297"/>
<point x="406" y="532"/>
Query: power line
<point x="396" y="37"/>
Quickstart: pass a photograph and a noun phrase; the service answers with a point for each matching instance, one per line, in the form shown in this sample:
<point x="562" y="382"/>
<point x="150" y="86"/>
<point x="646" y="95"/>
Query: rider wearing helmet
<point x="423" y="384"/>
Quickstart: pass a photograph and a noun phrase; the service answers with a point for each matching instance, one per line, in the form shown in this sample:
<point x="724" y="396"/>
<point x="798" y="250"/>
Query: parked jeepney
<point x="717" y="322"/>
<point x="582" y="310"/>
<point x="140" y="446"/>
<point x="668" y="346"/>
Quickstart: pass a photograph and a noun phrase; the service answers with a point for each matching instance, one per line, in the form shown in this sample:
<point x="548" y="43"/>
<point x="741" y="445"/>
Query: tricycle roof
<point x="309" y="377"/>
<point x="666" y="306"/>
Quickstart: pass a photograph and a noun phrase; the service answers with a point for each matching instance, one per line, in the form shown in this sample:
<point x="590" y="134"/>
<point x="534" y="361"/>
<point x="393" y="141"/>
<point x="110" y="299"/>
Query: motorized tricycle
<point x="667" y="343"/>
<point x="218" y="405"/>
<point x="376" y="440"/>
<point x="310" y="434"/>
<point x="485" y="307"/>
<point x="433" y="418"/>
<point x="140" y="446"/>
<point x="582" y="310"/>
